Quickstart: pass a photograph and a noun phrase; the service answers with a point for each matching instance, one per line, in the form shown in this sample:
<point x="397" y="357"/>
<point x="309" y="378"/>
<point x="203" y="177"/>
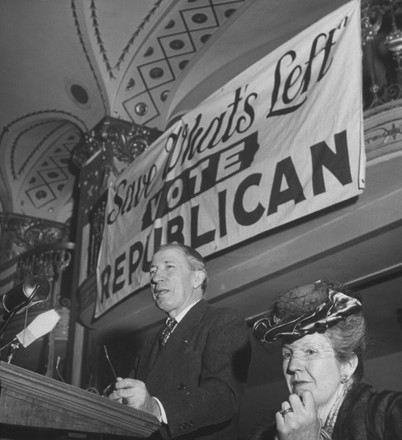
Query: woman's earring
<point x="344" y="378"/>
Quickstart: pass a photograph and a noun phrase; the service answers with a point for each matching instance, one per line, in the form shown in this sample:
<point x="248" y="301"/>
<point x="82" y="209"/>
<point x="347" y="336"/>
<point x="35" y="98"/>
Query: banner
<point x="280" y="141"/>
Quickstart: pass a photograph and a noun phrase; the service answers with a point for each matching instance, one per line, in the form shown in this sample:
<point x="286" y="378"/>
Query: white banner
<point x="280" y="141"/>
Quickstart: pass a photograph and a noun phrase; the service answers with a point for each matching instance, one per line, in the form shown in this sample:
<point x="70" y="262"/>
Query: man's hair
<point x="194" y="259"/>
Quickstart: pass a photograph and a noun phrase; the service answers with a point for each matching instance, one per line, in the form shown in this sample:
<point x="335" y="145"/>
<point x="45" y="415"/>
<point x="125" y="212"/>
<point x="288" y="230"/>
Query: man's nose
<point x="156" y="276"/>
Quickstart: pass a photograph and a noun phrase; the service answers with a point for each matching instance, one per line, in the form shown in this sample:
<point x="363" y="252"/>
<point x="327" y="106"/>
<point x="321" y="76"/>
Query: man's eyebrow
<point x="169" y="260"/>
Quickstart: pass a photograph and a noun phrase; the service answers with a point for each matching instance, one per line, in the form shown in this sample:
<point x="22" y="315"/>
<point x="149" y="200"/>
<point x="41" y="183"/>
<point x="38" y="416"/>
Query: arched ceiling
<point x="67" y="64"/>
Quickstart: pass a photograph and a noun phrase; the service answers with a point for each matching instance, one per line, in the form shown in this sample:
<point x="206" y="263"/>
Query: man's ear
<point x="198" y="278"/>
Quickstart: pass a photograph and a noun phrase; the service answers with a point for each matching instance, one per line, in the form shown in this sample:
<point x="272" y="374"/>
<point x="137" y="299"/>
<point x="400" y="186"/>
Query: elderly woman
<point x="323" y="334"/>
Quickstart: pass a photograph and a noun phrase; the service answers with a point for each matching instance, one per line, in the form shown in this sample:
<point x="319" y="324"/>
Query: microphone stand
<point x="14" y="346"/>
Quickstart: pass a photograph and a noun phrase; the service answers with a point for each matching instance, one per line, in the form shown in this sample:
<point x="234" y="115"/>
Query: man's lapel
<point x="160" y="357"/>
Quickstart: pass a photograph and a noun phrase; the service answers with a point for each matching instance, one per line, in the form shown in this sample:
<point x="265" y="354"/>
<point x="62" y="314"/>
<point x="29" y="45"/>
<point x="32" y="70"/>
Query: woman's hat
<point x="304" y="310"/>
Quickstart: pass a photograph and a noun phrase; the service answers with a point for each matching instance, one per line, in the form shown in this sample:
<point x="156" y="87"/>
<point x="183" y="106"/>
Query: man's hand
<point x="302" y="423"/>
<point x="134" y="393"/>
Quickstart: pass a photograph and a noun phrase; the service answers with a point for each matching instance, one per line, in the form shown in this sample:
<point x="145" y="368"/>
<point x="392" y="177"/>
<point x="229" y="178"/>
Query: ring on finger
<point x="124" y="401"/>
<point x="285" y="411"/>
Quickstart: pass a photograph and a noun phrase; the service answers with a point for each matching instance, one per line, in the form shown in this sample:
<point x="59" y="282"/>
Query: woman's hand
<point x="302" y="423"/>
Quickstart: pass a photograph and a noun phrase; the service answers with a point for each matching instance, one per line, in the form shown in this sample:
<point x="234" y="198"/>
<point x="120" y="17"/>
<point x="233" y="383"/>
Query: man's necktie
<point x="167" y="331"/>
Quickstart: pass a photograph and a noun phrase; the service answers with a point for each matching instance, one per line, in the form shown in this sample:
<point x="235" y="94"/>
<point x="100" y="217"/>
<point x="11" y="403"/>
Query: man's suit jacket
<point x="199" y="375"/>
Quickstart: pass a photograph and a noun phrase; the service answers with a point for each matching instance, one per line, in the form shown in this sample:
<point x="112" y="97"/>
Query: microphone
<point x="28" y="293"/>
<point x="40" y="326"/>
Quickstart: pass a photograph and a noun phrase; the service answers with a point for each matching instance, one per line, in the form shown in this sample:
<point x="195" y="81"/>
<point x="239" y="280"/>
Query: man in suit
<point x="192" y="378"/>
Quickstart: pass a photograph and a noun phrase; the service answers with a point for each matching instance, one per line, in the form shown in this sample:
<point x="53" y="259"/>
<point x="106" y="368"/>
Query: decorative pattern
<point x="178" y="37"/>
<point x="382" y="69"/>
<point x="20" y="234"/>
<point x="126" y="49"/>
<point x="51" y="176"/>
<point x="29" y="141"/>
<point x="47" y="263"/>
<point x="387" y="94"/>
<point x="104" y="153"/>
<point x="96" y="221"/>
<point x="77" y="26"/>
<point x="46" y="114"/>
<point x="167" y="331"/>
<point x="124" y="140"/>
<point x="17" y="173"/>
<point x="183" y="28"/>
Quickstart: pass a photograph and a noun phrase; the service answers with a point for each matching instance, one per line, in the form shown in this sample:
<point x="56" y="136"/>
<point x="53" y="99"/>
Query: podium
<point x="28" y="399"/>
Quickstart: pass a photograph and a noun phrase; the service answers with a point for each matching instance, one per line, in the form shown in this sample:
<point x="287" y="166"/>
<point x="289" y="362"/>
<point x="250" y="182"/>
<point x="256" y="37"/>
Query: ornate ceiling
<point x="68" y="64"/>
<point x="71" y="63"/>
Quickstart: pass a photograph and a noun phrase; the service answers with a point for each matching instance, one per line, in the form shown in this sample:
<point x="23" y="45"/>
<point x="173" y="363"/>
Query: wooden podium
<point x="31" y="400"/>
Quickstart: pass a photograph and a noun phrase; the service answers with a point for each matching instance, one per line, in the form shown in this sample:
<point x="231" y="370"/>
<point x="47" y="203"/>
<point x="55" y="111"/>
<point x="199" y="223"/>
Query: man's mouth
<point x="160" y="292"/>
